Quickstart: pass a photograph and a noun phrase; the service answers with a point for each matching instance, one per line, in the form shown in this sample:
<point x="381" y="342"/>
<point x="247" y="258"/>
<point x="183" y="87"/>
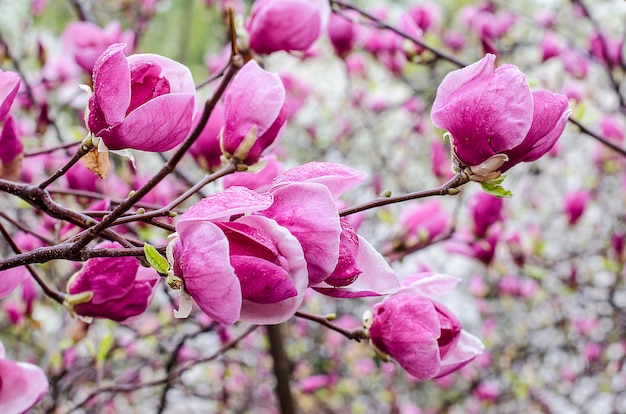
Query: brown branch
<point x="448" y="188"/>
<point x="357" y="334"/>
<point x="598" y="138"/>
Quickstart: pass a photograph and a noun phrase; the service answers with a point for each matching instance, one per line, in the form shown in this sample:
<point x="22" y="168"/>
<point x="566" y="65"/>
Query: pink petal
<point x="221" y="206"/>
<point x="377" y="277"/>
<point x="10" y="279"/>
<point x="209" y="278"/>
<point x="107" y="277"/>
<point x="308" y="212"/>
<point x="159" y="125"/>
<point x="430" y="284"/>
<point x="467" y="348"/>
<point x="261" y="281"/>
<point x="177" y="74"/>
<point x="23" y="386"/>
<point x="111" y="80"/>
<point x="551" y="113"/>
<point x="289" y="247"/>
<point x="9" y="85"/>
<point x="486" y="110"/>
<point x="255" y="98"/>
<point x="337" y="177"/>
<point x="10" y="143"/>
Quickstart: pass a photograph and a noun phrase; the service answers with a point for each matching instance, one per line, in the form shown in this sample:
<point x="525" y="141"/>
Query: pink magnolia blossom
<point x="240" y="267"/>
<point x="419" y="225"/>
<point x="485" y="210"/>
<point x="359" y="270"/>
<point x="427" y="15"/>
<point x="254" y="113"/>
<point x="206" y="149"/>
<point x="143" y="102"/>
<point x="87" y="41"/>
<point x="11" y="151"/>
<point x="490" y="110"/>
<point x="289" y="25"/>
<point x="9" y="85"/>
<point x="22" y="385"/>
<point x="342" y="33"/>
<point x="422" y="335"/>
<point x="121" y="288"/>
<point x="575" y="204"/>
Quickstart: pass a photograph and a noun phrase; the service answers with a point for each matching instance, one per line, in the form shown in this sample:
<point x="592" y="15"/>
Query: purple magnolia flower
<point x="490" y="111"/>
<point x="422" y="335"/>
<point x="254" y="113"/>
<point x="11" y="151"/>
<point x="342" y="33"/>
<point x="121" y="288"/>
<point x="22" y="385"/>
<point x="143" y="102"/>
<point x="87" y="41"/>
<point x="289" y="25"/>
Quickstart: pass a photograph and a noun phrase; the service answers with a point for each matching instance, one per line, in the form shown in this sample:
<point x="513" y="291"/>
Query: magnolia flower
<point x="87" y="41"/>
<point x="358" y="270"/>
<point x="575" y="205"/>
<point x="342" y="33"/>
<point x="206" y="149"/>
<point x="9" y="85"/>
<point x="490" y="111"/>
<point x="485" y="210"/>
<point x="117" y="287"/>
<point x="11" y="151"/>
<point x="419" y="225"/>
<point x="22" y="385"/>
<point x="422" y="335"/>
<point x="254" y="113"/>
<point x="289" y="25"/>
<point x="236" y="266"/>
<point x="143" y="102"/>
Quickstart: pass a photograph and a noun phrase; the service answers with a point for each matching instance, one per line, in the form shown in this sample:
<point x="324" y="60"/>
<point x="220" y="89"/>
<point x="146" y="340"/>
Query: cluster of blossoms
<point x="251" y="256"/>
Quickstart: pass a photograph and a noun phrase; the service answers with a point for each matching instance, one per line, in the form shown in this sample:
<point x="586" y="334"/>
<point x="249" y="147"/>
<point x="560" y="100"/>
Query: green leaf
<point x="156" y="260"/>
<point x="494" y="188"/>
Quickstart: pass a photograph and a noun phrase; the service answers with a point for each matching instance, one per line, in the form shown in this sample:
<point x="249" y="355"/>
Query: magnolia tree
<point x="301" y="206"/>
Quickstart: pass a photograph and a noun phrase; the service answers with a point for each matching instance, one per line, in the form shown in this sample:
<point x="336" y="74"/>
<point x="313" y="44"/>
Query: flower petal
<point x="23" y="386"/>
<point x="377" y="277"/>
<point x="308" y="212"/>
<point x="337" y="177"/>
<point x="289" y="247"/>
<point x="203" y="257"/>
<point x="111" y="81"/>
<point x="221" y="206"/>
<point x="467" y="348"/>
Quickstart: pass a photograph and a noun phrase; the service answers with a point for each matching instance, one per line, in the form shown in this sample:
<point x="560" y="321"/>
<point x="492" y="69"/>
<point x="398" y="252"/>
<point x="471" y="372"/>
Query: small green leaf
<point x="495" y="189"/>
<point x="156" y="260"/>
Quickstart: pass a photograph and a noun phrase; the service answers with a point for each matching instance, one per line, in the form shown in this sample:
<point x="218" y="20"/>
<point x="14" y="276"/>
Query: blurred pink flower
<point x="22" y="385"/>
<point x="575" y="204"/>
<point x="86" y="41"/>
<point x="206" y="149"/>
<point x="121" y="288"/>
<point x="288" y="25"/>
<point x="143" y="102"/>
<point x="9" y="86"/>
<point x="485" y="210"/>
<point x="342" y="33"/>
